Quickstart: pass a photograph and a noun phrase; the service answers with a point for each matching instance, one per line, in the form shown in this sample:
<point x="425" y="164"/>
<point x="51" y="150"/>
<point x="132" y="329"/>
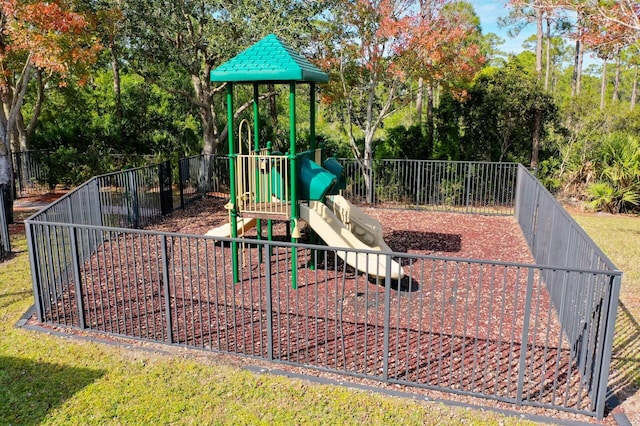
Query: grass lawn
<point x="619" y="238"/>
<point x="46" y="379"/>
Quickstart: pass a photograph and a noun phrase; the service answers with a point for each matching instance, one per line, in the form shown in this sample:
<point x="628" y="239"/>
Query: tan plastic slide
<point x="224" y="231"/>
<point x="337" y="233"/>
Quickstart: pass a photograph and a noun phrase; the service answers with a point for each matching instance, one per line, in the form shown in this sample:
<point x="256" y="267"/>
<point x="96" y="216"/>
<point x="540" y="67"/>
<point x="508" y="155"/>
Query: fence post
<point x="269" y="301"/>
<point x="133" y="198"/>
<point x="35" y="276"/>
<point x="165" y="285"/>
<point x="525" y="337"/>
<point x="181" y="180"/>
<point x="164" y="180"/>
<point x="468" y="188"/>
<point x="203" y="174"/>
<point x="94" y="190"/>
<point x="518" y="194"/>
<point x="5" y="241"/>
<point x="607" y="342"/>
<point x="387" y="320"/>
<point x="76" y="276"/>
<point x="17" y="174"/>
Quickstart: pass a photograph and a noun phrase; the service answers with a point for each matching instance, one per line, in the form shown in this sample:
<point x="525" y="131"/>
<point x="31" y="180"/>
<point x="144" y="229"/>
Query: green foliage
<point x="495" y="121"/>
<point x="66" y="166"/>
<point x="403" y="142"/>
<point x="617" y="163"/>
<point x="153" y="121"/>
<point x="83" y="136"/>
<point x="547" y="174"/>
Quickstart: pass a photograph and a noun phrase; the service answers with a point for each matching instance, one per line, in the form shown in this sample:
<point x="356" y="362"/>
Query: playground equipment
<point x="336" y="233"/>
<point x="269" y="185"/>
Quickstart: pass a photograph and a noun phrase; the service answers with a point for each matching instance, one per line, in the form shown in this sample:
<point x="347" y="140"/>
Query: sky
<point x="489" y="11"/>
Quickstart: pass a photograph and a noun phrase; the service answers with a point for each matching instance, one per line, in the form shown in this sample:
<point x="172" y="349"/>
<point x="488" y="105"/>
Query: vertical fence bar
<point x="164" y="183"/>
<point x="165" y="285"/>
<point x="607" y="344"/>
<point x="269" y="300"/>
<point x="525" y="336"/>
<point x="73" y="231"/>
<point x="181" y="178"/>
<point x="5" y="241"/>
<point x="387" y="320"/>
<point x="35" y="271"/>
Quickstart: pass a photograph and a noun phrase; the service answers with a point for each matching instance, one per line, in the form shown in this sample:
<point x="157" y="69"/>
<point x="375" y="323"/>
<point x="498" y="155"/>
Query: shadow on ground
<point x="7" y="299"/>
<point x="624" y="380"/>
<point x="403" y="241"/>
<point x="29" y="390"/>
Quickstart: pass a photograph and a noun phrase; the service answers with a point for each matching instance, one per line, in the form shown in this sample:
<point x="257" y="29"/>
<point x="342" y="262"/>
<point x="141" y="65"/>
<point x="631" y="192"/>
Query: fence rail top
<point x="571" y="220"/>
<point x="34" y="217"/>
<point x="414" y="160"/>
<point x="614" y="272"/>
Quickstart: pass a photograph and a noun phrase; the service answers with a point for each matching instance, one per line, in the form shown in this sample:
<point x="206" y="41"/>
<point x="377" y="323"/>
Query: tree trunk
<point x="634" y="91"/>
<point x="21" y="144"/>
<point x="209" y="131"/>
<point x="419" y="101"/>
<point x="210" y="134"/>
<point x="37" y="109"/>
<point x="12" y="101"/>
<point x="537" y="128"/>
<point x="369" y="132"/>
<point x="579" y="75"/>
<point x="539" y="37"/>
<point x="6" y="186"/>
<point x="537" y="124"/>
<point x="430" y="129"/>
<point x="603" y="84"/>
<point x="547" y="75"/>
<point x="576" y="81"/>
<point x="115" y="67"/>
<point x="6" y="169"/>
<point x="616" y="83"/>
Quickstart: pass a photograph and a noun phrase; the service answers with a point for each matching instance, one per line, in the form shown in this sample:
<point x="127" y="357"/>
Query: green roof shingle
<point x="269" y="60"/>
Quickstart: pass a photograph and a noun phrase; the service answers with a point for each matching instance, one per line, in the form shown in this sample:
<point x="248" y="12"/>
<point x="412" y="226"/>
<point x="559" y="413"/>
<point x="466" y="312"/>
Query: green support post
<point x="313" y="145"/>
<point x="232" y="189"/>
<point x="269" y="221"/>
<point x="256" y="148"/>
<point x="293" y="183"/>
<point x="312" y="117"/>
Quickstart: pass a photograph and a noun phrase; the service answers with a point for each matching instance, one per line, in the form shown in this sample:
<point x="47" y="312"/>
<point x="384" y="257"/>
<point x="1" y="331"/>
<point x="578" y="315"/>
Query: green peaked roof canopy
<point x="269" y="60"/>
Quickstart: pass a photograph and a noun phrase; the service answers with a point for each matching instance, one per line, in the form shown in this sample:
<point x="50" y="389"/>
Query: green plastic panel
<point x="269" y="60"/>
<point x="332" y="165"/>
<point x="314" y="181"/>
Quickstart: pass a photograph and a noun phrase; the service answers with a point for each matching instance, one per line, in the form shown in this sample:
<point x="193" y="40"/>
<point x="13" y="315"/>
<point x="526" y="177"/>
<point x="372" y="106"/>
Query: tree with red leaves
<point x="37" y="40"/>
<point x="373" y="48"/>
<point x="362" y="45"/>
<point x="445" y="50"/>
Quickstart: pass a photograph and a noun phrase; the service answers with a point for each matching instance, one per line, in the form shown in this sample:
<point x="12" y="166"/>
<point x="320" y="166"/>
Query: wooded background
<point x="86" y="80"/>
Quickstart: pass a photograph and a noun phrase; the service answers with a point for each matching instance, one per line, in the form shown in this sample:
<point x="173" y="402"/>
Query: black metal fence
<point x="534" y="334"/>
<point x="33" y="176"/>
<point x="5" y="241"/>
<point x="201" y="175"/>
<point x="586" y="303"/>
<point x="30" y="173"/>
<point x="469" y="187"/>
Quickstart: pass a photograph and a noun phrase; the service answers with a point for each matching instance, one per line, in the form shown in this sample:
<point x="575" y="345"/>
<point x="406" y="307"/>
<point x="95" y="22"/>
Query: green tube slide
<point x="314" y="181"/>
